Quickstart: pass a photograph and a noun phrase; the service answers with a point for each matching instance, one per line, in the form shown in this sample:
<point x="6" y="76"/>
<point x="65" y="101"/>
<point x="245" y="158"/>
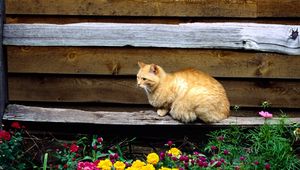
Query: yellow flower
<point x="132" y="168"/>
<point x="148" y="167"/>
<point x="152" y="158"/>
<point x="164" y="168"/>
<point x="104" y="164"/>
<point x="138" y="164"/>
<point x="174" y="151"/>
<point x="119" y="165"/>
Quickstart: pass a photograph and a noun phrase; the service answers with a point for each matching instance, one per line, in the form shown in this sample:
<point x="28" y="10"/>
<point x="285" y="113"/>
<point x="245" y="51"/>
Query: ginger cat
<point x="187" y="94"/>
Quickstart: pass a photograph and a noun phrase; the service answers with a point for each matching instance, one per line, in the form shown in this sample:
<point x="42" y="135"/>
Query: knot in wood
<point x="25" y="49"/>
<point x="263" y="68"/>
<point x="71" y="56"/>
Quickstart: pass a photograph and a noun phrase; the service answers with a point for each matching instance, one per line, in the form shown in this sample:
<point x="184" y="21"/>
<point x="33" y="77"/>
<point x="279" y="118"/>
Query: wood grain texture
<point x="144" y="117"/>
<point x="201" y="8"/>
<point x="179" y="8"/>
<point x="68" y="89"/>
<point x="123" y="61"/>
<point x="249" y="36"/>
<point x="120" y="89"/>
<point x="278" y="8"/>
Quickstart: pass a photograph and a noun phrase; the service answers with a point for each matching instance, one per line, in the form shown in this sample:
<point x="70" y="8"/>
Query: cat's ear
<point x="154" y="69"/>
<point x="141" y="64"/>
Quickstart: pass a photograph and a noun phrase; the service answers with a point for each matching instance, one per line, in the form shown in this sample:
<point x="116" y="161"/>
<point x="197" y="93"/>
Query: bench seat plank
<point x="146" y="117"/>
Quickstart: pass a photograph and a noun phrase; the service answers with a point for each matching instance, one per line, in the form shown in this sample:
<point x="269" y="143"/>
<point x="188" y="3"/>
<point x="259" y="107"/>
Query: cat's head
<point x="149" y="76"/>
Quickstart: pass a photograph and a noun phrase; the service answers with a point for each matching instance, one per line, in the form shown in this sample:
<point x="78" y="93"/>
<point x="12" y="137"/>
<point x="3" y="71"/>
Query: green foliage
<point x="264" y="147"/>
<point x="267" y="145"/>
<point x="12" y="154"/>
<point x="85" y="149"/>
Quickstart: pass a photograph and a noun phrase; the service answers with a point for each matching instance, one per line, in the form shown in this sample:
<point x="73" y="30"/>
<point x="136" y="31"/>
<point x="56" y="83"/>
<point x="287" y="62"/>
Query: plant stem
<point x="45" y="161"/>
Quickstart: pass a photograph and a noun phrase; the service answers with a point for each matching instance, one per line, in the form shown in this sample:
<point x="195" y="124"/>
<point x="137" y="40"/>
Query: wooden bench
<point x="92" y="60"/>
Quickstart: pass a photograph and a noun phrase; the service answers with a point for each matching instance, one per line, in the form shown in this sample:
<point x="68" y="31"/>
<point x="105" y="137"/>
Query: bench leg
<point x="3" y="79"/>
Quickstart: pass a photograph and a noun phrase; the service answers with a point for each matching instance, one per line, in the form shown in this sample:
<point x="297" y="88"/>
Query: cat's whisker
<point x="148" y="90"/>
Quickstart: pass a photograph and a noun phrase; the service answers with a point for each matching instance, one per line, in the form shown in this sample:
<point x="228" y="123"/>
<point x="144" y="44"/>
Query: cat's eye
<point x="143" y="78"/>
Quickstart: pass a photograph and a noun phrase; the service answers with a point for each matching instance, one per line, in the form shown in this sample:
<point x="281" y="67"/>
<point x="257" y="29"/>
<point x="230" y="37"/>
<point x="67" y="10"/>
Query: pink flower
<point x="86" y="166"/>
<point x="265" y="114"/>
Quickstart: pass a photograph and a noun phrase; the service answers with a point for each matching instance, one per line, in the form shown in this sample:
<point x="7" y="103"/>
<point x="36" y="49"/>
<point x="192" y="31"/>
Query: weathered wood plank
<point x="115" y="107"/>
<point x="181" y="8"/>
<point x="123" y="61"/>
<point x="200" y="8"/>
<point x="144" y="117"/>
<point x="120" y="89"/>
<point x="3" y="81"/>
<point x="278" y="8"/>
<point x="262" y="37"/>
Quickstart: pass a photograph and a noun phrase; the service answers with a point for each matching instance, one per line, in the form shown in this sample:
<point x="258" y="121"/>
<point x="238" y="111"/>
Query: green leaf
<point x="45" y="161"/>
<point x="101" y="155"/>
<point x="120" y="153"/>
<point x="87" y="158"/>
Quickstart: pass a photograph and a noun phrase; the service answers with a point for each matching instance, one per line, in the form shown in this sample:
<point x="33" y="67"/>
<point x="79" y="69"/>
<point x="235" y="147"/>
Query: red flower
<point x="242" y="158"/>
<point x="16" y="125"/>
<point x="170" y="143"/>
<point x="213" y="148"/>
<point x="65" y="145"/>
<point x="218" y="164"/>
<point x="100" y="139"/>
<point x="268" y="166"/>
<point x="74" y="148"/>
<point x="5" y="135"/>
<point x="226" y="152"/>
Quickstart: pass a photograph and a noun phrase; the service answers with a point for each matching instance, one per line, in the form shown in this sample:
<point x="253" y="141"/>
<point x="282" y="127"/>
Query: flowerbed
<point x="264" y="147"/>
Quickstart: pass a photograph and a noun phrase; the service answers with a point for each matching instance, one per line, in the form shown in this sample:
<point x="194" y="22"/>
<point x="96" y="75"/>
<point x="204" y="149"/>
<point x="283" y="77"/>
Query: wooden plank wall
<point x="107" y="74"/>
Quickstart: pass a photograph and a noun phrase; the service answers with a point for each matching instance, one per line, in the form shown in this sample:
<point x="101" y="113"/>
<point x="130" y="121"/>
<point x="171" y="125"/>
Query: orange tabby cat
<point x="187" y="94"/>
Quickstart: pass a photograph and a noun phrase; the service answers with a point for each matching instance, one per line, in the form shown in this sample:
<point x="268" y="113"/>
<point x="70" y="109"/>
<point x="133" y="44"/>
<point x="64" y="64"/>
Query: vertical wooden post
<point x="3" y="80"/>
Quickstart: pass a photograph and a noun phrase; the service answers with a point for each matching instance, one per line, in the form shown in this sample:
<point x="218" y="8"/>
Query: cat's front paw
<point x="162" y="112"/>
